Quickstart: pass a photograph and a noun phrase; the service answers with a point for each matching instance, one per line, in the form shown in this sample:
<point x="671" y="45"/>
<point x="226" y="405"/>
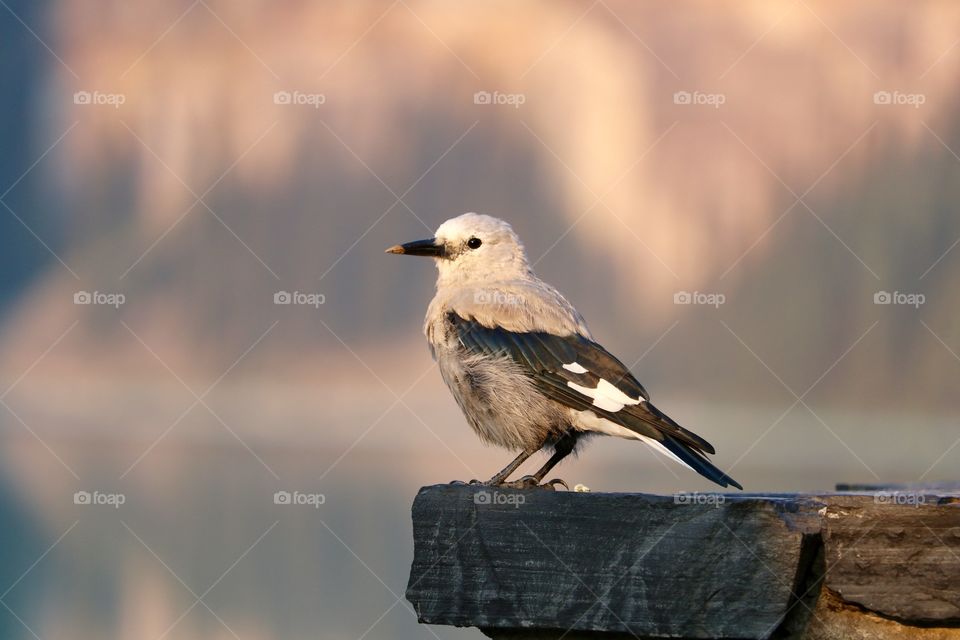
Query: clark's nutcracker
<point x="521" y="362"/>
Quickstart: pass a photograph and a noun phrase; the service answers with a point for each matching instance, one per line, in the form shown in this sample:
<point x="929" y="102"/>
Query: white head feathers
<point x="480" y="249"/>
<point x="484" y="275"/>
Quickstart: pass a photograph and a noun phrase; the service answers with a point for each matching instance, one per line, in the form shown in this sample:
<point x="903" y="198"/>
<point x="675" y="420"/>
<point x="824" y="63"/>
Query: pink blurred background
<point x="794" y="163"/>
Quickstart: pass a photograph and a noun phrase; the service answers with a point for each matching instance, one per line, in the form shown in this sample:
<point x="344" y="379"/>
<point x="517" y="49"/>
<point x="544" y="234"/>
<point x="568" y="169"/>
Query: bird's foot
<point x="531" y="482"/>
<point x="526" y="482"/>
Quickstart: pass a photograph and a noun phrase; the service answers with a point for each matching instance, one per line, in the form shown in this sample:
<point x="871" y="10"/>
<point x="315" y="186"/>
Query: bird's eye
<point x="474" y="243"/>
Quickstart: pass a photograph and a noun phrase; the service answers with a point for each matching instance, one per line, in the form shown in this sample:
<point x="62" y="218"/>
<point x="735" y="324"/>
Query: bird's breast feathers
<point x="521" y="306"/>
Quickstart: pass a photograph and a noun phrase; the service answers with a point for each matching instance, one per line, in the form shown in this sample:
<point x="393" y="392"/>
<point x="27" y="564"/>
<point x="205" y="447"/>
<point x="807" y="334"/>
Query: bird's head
<point x="472" y="248"/>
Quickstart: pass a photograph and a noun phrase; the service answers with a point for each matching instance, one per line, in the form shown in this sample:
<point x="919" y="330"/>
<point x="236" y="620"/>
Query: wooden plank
<point x="621" y="563"/>
<point x="896" y="553"/>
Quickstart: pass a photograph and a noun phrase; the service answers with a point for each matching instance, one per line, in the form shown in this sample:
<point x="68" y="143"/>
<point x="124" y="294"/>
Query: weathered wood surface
<point x="543" y="564"/>
<point x="899" y="560"/>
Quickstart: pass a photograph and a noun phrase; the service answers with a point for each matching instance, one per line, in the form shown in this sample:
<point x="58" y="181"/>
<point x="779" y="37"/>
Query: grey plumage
<point x="520" y="361"/>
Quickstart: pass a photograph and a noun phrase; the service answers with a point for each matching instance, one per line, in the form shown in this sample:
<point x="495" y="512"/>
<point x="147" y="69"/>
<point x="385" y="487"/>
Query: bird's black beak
<point x="428" y="247"/>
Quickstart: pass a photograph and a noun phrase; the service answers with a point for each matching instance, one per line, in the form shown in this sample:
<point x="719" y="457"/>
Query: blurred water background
<point x="794" y="163"/>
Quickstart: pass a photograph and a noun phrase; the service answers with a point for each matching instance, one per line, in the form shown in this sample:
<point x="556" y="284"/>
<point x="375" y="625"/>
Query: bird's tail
<point x="698" y="462"/>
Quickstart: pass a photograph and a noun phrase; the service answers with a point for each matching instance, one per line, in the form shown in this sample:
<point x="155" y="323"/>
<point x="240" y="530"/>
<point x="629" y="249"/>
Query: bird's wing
<point x="580" y="374"/>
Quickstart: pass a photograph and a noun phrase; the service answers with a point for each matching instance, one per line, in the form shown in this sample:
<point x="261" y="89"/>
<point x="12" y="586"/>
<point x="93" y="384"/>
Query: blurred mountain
<point x="260" y="147"/>
<point x="21" y="260"/>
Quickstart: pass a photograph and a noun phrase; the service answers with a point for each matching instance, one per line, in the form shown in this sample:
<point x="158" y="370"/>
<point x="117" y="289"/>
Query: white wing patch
<point x="605" y="395"/>
<point x="589" y="421"/>
<point x="575" y="367"/>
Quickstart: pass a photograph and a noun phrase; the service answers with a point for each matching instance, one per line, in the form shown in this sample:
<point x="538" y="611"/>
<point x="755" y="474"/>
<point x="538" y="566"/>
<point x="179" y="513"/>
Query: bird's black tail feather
<point x="699" y="463"/>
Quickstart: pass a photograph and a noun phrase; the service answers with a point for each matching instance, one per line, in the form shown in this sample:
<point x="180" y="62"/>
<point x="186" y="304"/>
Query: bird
<point x="522" y="364"/>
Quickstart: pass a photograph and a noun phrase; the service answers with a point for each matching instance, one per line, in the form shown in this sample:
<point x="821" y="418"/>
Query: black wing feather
<point x="544" y="355"/>
<point x="699" y="463"/>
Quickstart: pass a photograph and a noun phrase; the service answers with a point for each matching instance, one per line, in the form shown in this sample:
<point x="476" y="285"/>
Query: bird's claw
<point x="530" y="482"/>
<point x="526" y="482"/>
<point x="552" y="484"/>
